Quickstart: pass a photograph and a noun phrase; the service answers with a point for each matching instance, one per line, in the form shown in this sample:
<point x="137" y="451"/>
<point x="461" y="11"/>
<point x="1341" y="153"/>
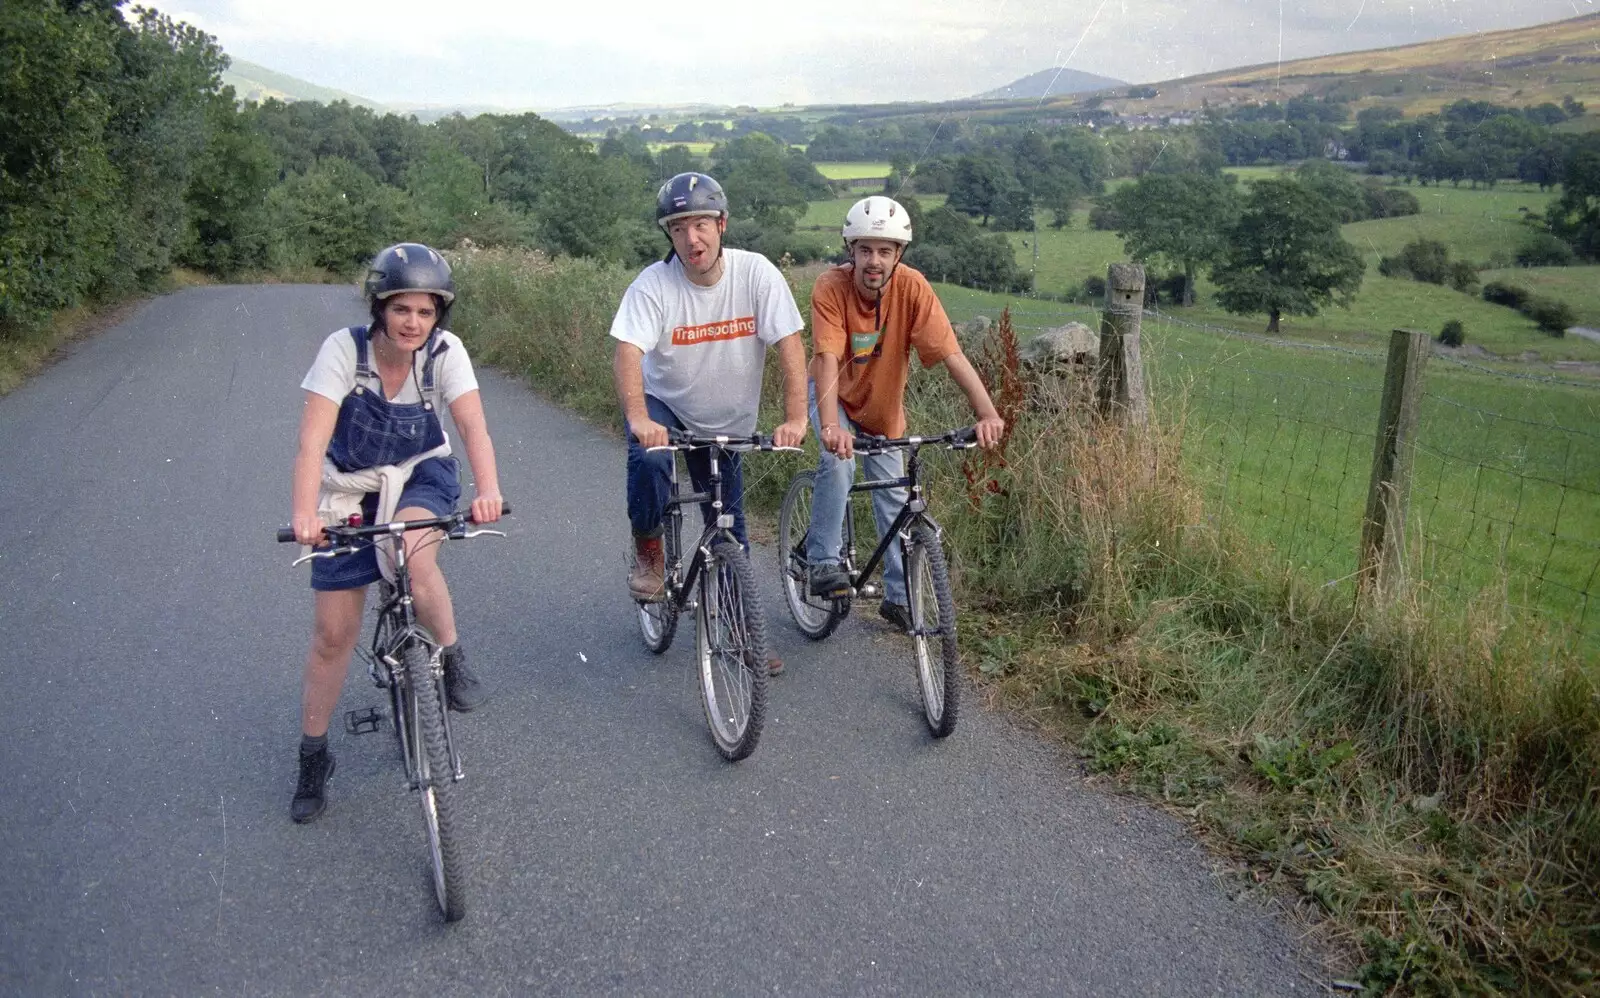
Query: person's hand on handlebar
<point x="486" y="507"/>
<point x="837" y="442"/>
<point x="990" y="429"/>
<point x="789" y="434"/>
<point x="649" y="433"/>
<point x="307" y="529"/>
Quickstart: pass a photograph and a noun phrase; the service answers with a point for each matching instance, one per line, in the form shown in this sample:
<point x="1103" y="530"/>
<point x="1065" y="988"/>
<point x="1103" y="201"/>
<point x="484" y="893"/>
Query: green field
<point x="829" y="215"/>
<point x="1508" y="469"/>
<point x="1473" y="223"/>
<point x="695" y="148"/>
<point x="853" y="171"/>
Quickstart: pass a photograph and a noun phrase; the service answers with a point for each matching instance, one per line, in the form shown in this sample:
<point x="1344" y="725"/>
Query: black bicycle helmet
<point x="409" y="267"/>
<point x="690" y="194"/>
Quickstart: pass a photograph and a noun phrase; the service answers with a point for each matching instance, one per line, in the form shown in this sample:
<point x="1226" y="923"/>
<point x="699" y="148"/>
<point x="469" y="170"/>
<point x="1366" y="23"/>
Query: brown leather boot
<point x="646" y="579"/>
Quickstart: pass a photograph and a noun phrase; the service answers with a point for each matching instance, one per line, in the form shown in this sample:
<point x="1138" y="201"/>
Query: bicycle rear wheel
<point x="933" y="630"/>
<point x="731" y="646"/>
<point x="816" y="616"/>
<point x="435" y="781"/>
<point x="658" y="623"/>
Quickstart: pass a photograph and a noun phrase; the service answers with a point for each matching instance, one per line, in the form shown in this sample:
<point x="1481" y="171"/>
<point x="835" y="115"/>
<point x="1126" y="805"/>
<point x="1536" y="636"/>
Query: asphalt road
<point x="154" y="635"/>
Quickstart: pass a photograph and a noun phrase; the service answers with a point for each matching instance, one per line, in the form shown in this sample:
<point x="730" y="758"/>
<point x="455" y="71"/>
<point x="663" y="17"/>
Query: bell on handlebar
<point x="353" y="520"/>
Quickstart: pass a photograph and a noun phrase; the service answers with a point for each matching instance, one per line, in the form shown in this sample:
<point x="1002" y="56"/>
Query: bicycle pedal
<point x="365" y="721"/>
<point x="869" y="590"/>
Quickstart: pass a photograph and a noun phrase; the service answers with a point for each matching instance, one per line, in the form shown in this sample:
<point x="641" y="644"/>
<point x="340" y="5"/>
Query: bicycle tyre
<point x="816" y="616"/>
<point x="731" y="649"/>
<point x="435" y="783"/>
<point x="928" y="596"/>
<point x="658" y="623"/>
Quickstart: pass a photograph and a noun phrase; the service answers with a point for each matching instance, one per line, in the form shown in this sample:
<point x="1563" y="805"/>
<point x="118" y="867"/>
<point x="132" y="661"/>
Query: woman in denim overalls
<point x="384" y="379"/>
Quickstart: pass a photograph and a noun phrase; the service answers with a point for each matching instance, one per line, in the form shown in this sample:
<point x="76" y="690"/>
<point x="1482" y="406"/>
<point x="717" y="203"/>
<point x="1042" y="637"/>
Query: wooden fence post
<point x="1383" y="532"/>
<point x="1120" y="373"/>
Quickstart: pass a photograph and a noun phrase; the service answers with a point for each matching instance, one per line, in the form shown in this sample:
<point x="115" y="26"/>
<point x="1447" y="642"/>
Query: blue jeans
<point x="650" y="480"/>
<point x="825" y="539"/>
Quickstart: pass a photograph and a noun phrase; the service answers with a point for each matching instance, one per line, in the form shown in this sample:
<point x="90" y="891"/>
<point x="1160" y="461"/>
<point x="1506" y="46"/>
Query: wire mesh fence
<point x="1505" y="493"/>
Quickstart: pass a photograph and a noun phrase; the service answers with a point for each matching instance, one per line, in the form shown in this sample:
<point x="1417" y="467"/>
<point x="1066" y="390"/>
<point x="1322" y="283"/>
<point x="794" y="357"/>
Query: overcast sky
<point x="542" y="54"/>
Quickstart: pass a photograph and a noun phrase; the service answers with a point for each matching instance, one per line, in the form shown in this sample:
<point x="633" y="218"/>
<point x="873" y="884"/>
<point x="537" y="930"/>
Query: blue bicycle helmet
<point x="690" y="194"/>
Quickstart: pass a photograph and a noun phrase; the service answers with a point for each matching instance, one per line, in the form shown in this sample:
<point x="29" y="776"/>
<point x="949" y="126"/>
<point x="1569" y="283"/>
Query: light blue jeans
<point x="825" y="539"/>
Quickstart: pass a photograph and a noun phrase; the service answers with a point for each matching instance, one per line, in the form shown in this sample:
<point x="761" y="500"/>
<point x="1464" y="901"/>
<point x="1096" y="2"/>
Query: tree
<point x="1575" y="216"/>
<point x="593" y="207"/>
<point x="56" y="179"/>
<point x="1182" y="219"/>
<point x="756" y="172"/>
<point x="1285" y="255"/>
<point x="978" y="184"/>
<point x="949" y="247"/>
<point x="227" y="194"/>
<point x="334" y="216"/>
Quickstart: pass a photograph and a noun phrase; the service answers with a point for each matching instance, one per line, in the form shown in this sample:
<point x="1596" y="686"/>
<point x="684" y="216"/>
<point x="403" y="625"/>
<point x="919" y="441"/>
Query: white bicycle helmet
<point x="877" y="217"/>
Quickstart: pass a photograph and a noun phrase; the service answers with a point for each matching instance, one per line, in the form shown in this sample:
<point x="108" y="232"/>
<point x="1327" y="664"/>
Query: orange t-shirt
<point x="842" y="324"/>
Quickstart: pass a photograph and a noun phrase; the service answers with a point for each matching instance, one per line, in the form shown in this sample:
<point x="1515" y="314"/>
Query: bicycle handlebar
<point x="340" y="532"/>
<point x="684" y="440"/>
<point x="960" y="439"/>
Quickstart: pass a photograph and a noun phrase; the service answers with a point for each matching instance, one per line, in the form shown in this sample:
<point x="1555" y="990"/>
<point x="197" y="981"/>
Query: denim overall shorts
<point x="372" y="431"/>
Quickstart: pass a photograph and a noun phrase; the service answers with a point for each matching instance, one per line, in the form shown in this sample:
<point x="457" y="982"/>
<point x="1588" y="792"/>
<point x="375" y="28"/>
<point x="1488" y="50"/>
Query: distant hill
<point x="255" y="83"/>
<point x="1051" y="83"/>
<point x="1520" y="66"/>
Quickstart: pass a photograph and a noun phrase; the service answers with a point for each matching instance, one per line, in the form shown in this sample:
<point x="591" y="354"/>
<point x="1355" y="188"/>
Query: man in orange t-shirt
<point x="866" y="317"/>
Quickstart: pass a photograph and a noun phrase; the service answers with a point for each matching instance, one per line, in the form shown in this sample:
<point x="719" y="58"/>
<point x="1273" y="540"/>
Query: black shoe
<point x="310" y="794"/>
<point x="828" y="578"/>
<point x="461" y="688"/>
<point x="895" y="614"/>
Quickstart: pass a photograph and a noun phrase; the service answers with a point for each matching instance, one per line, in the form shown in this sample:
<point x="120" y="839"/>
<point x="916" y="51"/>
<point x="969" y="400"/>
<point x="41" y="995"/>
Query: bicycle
<point x="931" y="606"/>
<point x="404" y="659"/>
<point x="730" y="630"/>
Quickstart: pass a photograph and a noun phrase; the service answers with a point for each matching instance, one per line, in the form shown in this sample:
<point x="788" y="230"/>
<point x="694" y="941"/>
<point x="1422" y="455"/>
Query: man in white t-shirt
<point x="692" y="335"/>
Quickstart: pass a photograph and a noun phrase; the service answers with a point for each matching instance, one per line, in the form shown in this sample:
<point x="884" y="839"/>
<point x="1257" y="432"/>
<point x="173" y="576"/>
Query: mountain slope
<point x="1050" y="83"/>
<point x="252" y="82"/>
<point x="1519" y="66"/>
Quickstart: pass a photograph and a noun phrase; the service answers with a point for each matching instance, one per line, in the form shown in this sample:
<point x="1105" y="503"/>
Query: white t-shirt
<point x="333" y="373"/>
<point x="704" y="347"/>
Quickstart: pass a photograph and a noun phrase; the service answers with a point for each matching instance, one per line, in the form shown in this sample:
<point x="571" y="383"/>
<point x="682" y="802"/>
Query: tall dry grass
<point x="1425" y="769"/>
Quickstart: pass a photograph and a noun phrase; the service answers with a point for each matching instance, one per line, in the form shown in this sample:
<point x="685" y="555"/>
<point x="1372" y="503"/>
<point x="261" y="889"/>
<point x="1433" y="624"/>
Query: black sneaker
<point x="896" y="614"/>
<point x="461" y="688"/>
<point x="828" y="578"/>
<point x="310" y="794"/>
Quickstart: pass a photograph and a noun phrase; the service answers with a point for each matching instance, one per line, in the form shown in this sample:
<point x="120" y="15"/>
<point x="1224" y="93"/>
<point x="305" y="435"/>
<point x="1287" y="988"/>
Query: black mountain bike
<point x="720" y="587"/>
<point x="933" y="612"/>
<point x="404" y="659"/>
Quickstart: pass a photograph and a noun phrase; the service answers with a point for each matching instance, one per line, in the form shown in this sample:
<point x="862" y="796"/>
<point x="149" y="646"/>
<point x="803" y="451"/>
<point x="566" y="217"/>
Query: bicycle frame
<point x="397" y="627"/>
<point x="678" y="582"/>
<point x="913" y="510"/>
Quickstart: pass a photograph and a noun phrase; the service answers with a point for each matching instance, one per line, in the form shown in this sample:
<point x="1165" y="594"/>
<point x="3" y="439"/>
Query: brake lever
<point x="480" y="531"/>
<point x="329" y="553"/>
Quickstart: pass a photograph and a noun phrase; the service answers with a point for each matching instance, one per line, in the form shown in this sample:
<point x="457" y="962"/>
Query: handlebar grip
<point x="505" y="510"/>
<point x="285" y="535"/>
<point x="965" y="435"/>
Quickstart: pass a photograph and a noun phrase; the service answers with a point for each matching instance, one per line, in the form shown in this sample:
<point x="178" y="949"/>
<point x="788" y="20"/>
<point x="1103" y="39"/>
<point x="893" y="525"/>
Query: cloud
<point x="549" y="55"/>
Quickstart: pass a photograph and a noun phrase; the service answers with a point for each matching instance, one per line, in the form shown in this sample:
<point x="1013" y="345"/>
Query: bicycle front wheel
<point x="816" y="616"/>
<point x="933" y="629"/>
<point x="436" y="782"/>
<point x="731" y="645"/>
